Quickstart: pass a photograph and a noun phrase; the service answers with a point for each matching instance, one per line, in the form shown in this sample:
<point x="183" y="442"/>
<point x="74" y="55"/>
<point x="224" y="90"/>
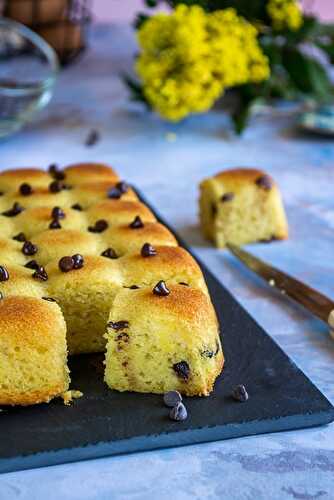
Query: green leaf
<point x="328" y="49"/>
<point x="139" y="20"/>
<point x="136" y="89"/>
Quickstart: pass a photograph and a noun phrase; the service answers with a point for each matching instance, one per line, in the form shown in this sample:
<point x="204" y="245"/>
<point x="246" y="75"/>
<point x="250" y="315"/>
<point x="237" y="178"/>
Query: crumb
<point x="92" y="138"/>
<point x="69" y="396"/>
<point x="170" y="137"/>
<point x="271" y="282"/>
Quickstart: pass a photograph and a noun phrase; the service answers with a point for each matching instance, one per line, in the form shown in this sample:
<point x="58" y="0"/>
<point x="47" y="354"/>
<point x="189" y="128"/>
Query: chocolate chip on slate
<point x="122" y="186"/>
<point x="178" y="413"/>
<point x="4" y="275"/>
<point x="55" y="224"/>
<point x="56" y="186"/>
<point x="161" y="289"/>
<point x="92" y="138"/>
<point x="137" y="223"/>
<point x="114" y="193"/>
<point x="25" y="189"/>
<point x="182" y="370"/>
<point x="15" y="210"/>
<point x="109" y="253"/>
<point x="49" y="299"/>
<point x="99" y="226"/>
<point x="264" y="182"/>
<point x="118" y="325"/>
<point x="32" y="264"/>
<point x="227" y="197"/>
<point x="240" y="394"/>
<point x="66" y="264"/>
<point x="78" y="261"/>
<point x="19" y="237"/>
<point x="77" y="206"/>
<point x="148" y="250"/>
<point x="29" y="248"/>
<point x="40" y="274"/>
<point x="57" y="213"/>
<point x="171" y="398"/>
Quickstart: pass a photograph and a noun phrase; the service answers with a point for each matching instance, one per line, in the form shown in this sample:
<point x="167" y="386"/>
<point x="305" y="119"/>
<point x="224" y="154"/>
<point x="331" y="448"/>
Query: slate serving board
<point x="105" y="422"/>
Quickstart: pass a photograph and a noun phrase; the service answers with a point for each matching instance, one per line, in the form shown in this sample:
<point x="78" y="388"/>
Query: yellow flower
<point x="285" y="14"/>
<point x="188" y="58"/>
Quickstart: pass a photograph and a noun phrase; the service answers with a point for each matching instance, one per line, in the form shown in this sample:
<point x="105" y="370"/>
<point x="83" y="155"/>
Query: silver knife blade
<point x="317" y="303"/>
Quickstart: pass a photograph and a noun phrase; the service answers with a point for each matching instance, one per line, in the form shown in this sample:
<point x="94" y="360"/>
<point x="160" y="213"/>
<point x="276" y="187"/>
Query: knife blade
<point x="314" y="301"/>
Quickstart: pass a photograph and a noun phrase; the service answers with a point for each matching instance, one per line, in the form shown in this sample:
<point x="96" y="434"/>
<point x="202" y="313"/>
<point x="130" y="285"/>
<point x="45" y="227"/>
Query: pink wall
<point x="124" y="10"/>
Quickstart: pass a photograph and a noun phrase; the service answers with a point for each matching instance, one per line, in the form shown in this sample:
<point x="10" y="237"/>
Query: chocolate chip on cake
<point x="15" y="210"/>
<point x="55" y="224"/>
<point x="182" y="370"/>
<point x="49" y="299"/>
<point x="56" y="172"/>
<point x="19" y="237"/>
<point x="56" y="186"/>
<point x="148" y="250"/>
<point x="66" y="264"/>
<point x="171" y="398"/>
<point x="29" y="248"/>
<point x="4" y="275"/>
<point x="25" y="189"/>
<point x="32" y="264"/>
<point x="227" y="197"/>
<point x="99" y="226"/>
<point x="122" y="186"/>
<point x="118" y="325"/>
<point x="264" y="182"/>
<point x="78" y="261"/>
<point x="133" y="287"/>
<point x="124" y="337"/>
<point x="57" y="213"/>
<point x="161" y="289"/>
<point x="77" y="206"/>
<point x="40" y="274"/>
<point x="109" y="253"/>
<point x="178" y="413"/>
<point x="1" y="193"/>
<point x="114" y="193"/>
<point x="183" y="283"/>
<point x="213" y="209"/>
<point x="240" y="394"/>
<point x="137" y="223"/>
<point x="1" y="296"/>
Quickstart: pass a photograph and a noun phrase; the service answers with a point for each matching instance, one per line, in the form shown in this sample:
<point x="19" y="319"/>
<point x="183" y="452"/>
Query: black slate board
<point x="105" y="422"/>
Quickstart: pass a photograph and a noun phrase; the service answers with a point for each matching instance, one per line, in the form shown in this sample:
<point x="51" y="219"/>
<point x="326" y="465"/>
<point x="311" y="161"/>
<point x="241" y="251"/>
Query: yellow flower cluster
<point x="285" y="14"/>
<point x="189" y="57"/>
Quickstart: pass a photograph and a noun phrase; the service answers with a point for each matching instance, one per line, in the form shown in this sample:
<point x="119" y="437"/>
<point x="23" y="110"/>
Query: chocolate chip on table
<point x="161" y="289"/>
<point x="15" y="210"/>
<point x="77" y="206"/>
<point x="92" y="138"/>
<point x="25" y="189"/>
<point x="114" y="193"/>
<point x="19" y="237"/>
<point x="118" y="325"/>
<point x="171" y="398"/>
<point x="99" y="226"/>
<point x="148" y="250"/>
<point x="137" y="223"/>
<point x="40" y="274"/>
<point x="178" y="412"/>
<point x="182" y="370"/>
<point x="55" y="224"/>
<point x="32" y="264"/>
<point x="66" y="264"/>
<point x="4" y="274"/>
<point x="56" y="186"/>
<point x="264" y="182"/>
<point x="109" y="253"/>
<point x="122" y="186"/>
<point x="78" y="261"/>
<point x="57" y="213"/>
<point x="49" y="299"/>
<point x="29" y="248"/>
<point x="227" y="197"/>
<point x="240" y="394"/>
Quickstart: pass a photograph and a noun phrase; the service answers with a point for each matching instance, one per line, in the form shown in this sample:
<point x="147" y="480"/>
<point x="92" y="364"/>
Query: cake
<point x="241" y="206"/>
<point x="78" y="248"/>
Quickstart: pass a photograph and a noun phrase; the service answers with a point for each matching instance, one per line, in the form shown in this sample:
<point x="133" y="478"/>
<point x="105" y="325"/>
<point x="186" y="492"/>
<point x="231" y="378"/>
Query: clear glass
<point x="28" y="71"/>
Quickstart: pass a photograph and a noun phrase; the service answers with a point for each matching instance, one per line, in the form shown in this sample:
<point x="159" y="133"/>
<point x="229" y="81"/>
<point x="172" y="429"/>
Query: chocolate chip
<point x="178" y="413"/>
<point x="1" y="296"/>
<point x="183" y="283"/>
<point x="137" y="223"/>
<point x="56" y="172"/>
<point x="122" y="337"/>
<point x="118" y="325"/>
<point x="109" y="253"/>
<point x="207" y="353"/>
<point x="227" y="197"/>
<point x="56" y="186"/>
<point x="92" y="138"/>
<point x="77" y="206"/>
<point x="78" y="261"/>
<point x="182" y="370"/>
<point x="133" y="287"/>
<point x="122" y="186"/>
<point x="32" y="264"/>
<point x="114" y="193"/>
<point x="100" y="226"/>
<point x="264" y="182"/>
<point x="161" y="289"/>
<point x="4" y="275"/>
<point x="213" y="209"/>
<point x="29" y="248"/>
<point x="1" y="193"/>
<point x="15" y="210"/>
<point x="49" y="299"/>
<point x="66" y="264"/>
<point x="57" y="213"/>
<point x="40" y="274"/>
<point x="171" y="398"/>
<point x="240" y="394"/>
<point x="55" y="224"/>
<point x="148" y="250"/>
<point x="19" y="237"/>
<point x="25" y="189"/>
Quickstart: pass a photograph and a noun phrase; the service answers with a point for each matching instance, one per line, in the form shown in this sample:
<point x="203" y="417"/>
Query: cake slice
<point x="241" y="206"/>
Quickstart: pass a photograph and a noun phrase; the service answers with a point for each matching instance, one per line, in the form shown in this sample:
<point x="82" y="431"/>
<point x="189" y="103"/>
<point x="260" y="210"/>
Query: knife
<point x="314" y="301"/>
